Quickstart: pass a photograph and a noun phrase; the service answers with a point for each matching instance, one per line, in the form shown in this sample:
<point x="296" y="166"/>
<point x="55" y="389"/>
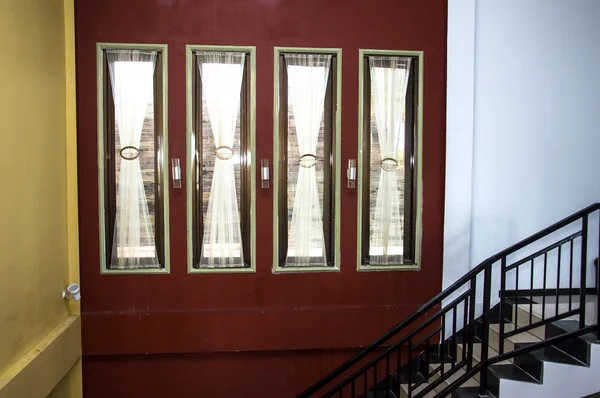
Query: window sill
<point x="224" y="270"/>
<point x="377" y="268"/>
<point x="141" y="271"/>
<point x="303" y="270"/>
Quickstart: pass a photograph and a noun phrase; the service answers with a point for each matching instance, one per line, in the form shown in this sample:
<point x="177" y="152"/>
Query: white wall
<point x="459" y="141"/>
<point x="529" y="79"/>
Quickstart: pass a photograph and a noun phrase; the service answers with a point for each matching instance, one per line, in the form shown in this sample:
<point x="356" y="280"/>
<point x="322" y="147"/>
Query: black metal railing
<point x="413" y="336"/>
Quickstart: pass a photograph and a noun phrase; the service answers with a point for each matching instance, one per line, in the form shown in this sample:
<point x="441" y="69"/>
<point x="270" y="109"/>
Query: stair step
<point x="521" y="313"/>
<point x="509" y="343"/>
<point x="477" y="355"/>
<point x="512" y="372"/>
<point x="507" y="372"/>
<point x="472" y="382"/>
<point x="533" y="361"/>
<point x="570" y="325"/>
<point x="403" y="376"/>
<point x="577" y="347"/>
<point x="551" y="354"/>
<point x="466" y="392"/>
<point x="379" y="394"/>
<point x="421" y="387"/>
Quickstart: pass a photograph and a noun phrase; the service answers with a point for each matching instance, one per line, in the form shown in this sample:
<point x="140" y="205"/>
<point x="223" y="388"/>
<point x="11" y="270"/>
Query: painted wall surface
<point x="535" y="96"/>
<point x="71" y="385"/>
<point x="38" y="172"/>
<point x="234" y="316"/>
<point x="33" y="211"/>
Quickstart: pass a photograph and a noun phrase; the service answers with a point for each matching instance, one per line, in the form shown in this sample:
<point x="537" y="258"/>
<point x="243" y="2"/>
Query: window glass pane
<point x="147" y="247"/>
<point x="389" y="77"/>
<point x="221" y="80"/>
<point x="132" y="83"/>
<point x="308" y="154"/>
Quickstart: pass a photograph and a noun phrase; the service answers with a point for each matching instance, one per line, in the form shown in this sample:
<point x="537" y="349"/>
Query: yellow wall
<point x="38" y="199"/>
<point x="70" y="386"/>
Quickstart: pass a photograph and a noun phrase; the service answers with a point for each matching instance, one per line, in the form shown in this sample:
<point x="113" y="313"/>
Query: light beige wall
<point x="70" y="385"/>
<point x="38" y="198"/>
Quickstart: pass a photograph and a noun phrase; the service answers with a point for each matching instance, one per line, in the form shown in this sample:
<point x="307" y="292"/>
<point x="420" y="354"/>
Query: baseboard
<point x="42" y="368"/>
<point x="548" y="292"/>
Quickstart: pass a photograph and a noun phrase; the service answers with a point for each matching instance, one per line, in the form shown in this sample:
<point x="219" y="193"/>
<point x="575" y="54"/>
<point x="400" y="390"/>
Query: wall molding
<point x="37" y="372"/>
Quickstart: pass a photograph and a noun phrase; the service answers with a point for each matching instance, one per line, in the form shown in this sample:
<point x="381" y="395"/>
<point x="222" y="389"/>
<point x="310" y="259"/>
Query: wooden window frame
<point x="194" y="164"/>
<point x="413" y="161"/>
<point x="106" y="156"/>
<point x="331" y="196"/>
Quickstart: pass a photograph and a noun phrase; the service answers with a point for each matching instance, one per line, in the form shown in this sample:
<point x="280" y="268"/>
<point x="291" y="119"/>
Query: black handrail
<point x="470" y="276"/>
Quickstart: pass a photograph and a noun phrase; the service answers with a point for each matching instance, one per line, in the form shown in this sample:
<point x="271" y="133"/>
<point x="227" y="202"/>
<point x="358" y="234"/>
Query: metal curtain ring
<point x="389" y="164"/>
<point x="224" y="152"/>
<point x="125" y="148"/>
<point x="308" y="160"/>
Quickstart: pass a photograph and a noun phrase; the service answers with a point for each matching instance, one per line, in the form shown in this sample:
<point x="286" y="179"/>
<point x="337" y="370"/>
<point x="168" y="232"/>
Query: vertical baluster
<point x="352" y="392"/>
<point x="514" y="306"/>
<point x="365" y="374"/>
<point x="472" y="321"/>
<point x="387" y="376"/>
<point x="375" y="376"/>
<point x="410" y="359"/>
<point x="502" y="304"/>
<point x="485" y="340"/>
<point x="558" y="279"/>
<point x="544" y="286"/>
<point x="399" y="363"/>
<point x="570" y="273"/>
<point x="454" y="347"/>
<point x="443" y="352"/>
<point x="464" y="331"/>
<point x="340" y="394"/>
<point x="530" y="292"/>
<point x="582" y="283"/>
<point x="427" y="353"/>
<point x="598" y="283"/>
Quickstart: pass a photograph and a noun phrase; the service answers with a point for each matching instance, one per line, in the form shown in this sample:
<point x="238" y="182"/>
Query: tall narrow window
<point x="221" y="160"/>
<point x="307" y="160"/>
<point x="131" y="152"/>
<point x="388" y="180"/>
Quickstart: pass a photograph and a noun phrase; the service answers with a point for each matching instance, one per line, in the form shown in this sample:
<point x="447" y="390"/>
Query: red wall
<point x="181" y="317"/>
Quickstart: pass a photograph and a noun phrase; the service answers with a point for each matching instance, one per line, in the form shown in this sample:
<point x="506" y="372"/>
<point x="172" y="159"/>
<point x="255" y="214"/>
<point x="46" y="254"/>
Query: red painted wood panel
<point x="247" y="312"/>
<point x="248" y="375"/>
<point x="160" y="332"/>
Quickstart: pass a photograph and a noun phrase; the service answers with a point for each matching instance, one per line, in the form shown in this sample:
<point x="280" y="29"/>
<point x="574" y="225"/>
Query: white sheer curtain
<point x="307" y="83"/>
<point x="221" y="74"/>
<point x="131" y="74"/>
<point x="389" y="80"/>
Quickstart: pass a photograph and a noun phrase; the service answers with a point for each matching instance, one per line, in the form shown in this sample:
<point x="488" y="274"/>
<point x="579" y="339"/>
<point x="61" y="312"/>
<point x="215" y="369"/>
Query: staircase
<point x="522" y="323"/>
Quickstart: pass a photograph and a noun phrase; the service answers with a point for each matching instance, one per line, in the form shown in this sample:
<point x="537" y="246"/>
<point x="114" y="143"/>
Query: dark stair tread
<point x="577" y="347"/>
<point x="519" y="300"/>
<point x="468" y="392"/>
<point x="591" y="338"/>
<point x="552" y="354"/>
<point x="568" y="325"/>
<point x="571" y="325"/>
<point x="379" y="394"/>
<point x="403" y="379"/>
<point x="512" y="372"/>
<point x="435" y="357"/>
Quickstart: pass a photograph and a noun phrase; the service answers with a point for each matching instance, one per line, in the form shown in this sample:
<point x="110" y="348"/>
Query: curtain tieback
<point x="308" y="160"/>
<point x="126" y="152"/>
<point x="224" y="152"/>
<point x="389" y="164"/>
